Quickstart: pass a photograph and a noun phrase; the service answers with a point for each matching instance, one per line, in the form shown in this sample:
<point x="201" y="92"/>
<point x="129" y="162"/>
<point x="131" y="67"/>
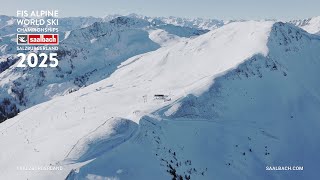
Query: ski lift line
<point x="159" y="95"/>
<point x="86" y="136"/>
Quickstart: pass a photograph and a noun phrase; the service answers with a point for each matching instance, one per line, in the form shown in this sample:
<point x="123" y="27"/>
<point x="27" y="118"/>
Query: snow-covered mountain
<point x="235" y="100"/>
<point x="199" y="23"/>
<point x="194" y="23"/>
<point x="86" y="55"/>
<point x="311" y="25"/>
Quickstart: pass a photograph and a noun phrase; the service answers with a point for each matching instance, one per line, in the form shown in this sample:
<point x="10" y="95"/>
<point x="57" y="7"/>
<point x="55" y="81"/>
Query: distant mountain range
<point x="311" y="25"/>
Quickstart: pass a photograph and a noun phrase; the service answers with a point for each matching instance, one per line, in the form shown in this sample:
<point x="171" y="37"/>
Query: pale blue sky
<point x="223" y="9"/>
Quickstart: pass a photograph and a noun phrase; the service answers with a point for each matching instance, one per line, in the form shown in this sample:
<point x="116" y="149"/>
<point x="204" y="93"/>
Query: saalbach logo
<point x="38" y="39"/>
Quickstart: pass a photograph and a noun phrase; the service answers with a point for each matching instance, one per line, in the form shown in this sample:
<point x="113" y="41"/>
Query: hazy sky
<point x="219" y="9"/>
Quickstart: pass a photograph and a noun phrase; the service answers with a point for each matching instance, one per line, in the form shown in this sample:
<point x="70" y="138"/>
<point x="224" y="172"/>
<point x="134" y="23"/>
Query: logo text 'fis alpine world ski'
<point x="37" y="39"/>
